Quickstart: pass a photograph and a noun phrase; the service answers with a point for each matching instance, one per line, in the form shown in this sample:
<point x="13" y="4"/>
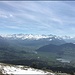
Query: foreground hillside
<point x="8" y="69"/>
<point x="13" y="69"/>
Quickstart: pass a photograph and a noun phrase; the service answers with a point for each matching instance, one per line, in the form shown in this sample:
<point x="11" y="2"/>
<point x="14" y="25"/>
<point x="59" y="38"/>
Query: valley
<point x="56" y="55"/>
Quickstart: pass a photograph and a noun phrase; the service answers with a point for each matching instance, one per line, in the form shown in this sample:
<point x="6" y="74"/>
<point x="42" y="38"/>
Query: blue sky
<point x="37" y="17"/>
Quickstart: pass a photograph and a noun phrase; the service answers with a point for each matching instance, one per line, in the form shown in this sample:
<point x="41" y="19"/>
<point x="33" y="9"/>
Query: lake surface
<point x="63" y="60"/>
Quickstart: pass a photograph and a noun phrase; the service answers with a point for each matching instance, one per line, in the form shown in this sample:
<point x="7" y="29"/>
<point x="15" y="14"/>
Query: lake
<point x="63" y="60"/>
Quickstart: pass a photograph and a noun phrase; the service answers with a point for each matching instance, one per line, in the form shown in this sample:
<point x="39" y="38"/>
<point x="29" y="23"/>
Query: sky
<point x="37" y="17"/>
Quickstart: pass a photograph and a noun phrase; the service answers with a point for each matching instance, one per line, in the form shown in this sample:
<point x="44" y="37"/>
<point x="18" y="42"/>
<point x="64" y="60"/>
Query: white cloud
<point x="3" y="16"/>
<point x="10" y="15"/>
<point x="36" y="8"/>
<point x="46" y="16"/>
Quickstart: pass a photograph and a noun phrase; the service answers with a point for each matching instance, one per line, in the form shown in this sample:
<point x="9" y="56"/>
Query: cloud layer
<point x="37" y="17"/>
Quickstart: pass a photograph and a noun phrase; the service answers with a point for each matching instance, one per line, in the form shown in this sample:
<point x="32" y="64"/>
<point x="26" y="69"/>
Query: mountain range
<point x="62" y="49"/>
<point x="29" y="39"/>
<point x="28" y="43"/>
<point x="38" y="37"/>
<point x="36" y="50"/>
<point x="34" y="36"/>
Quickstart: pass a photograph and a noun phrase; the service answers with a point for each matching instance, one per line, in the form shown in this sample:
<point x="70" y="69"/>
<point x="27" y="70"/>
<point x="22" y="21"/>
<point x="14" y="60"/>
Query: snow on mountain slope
<point x="18" y="69"/>
<point x="24" y="36"/>
<point x="35" y="37"/>
<point x="29" y="36"/>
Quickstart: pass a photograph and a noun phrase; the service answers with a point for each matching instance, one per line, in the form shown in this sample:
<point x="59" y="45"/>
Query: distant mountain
<point x="68" y="45"/>
<point x="28" y="36"/>
<point x="67" y="48"/>
<point x="8" y="51"/>
<point x="48" y="48"/>
<point x="3" y="42"/>
<point x="33" y="40"/>
<point x="37" y="37"/>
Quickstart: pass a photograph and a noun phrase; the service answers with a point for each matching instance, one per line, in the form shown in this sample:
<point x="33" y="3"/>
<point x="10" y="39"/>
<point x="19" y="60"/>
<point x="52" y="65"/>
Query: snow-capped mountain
<point x="67" y="37"/>
<point x="46" y="38"/>
<point x="29" y="36"/>
<point x="18" y="69"/>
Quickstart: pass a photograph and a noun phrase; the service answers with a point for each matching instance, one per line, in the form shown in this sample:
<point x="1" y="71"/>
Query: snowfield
<point x="17" y="69"/>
